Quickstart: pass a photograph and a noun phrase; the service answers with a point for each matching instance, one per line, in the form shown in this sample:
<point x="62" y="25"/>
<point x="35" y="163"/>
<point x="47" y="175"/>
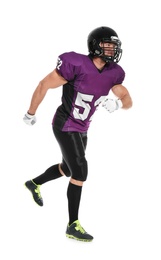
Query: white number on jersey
<point x="83" y="101"/>
<point x="59" y="63"/>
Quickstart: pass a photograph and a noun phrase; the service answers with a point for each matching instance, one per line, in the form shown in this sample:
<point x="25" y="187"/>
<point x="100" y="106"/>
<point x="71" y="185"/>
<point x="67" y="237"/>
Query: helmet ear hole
<point x="97" y="50"/>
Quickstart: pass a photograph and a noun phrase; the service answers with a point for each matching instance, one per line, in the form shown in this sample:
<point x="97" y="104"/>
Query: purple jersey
<point x="87" y="87"/>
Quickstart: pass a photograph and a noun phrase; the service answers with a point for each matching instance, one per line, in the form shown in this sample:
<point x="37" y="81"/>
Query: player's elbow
<point x="127" y="102"/>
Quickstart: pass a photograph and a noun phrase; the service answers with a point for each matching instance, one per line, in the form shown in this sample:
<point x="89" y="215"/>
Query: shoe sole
<point x="78" y="239"/>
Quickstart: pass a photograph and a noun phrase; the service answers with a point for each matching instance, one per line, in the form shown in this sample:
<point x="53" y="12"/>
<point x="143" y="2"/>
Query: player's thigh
<point x="73" y="145"/>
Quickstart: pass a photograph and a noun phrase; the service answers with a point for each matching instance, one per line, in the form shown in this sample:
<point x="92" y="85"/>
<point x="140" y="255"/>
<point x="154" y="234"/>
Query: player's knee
<point x="67" y="173"/>
<point x="83" y="169"/>
<point x="83" y="178"/>
<point x="65" y="170"/>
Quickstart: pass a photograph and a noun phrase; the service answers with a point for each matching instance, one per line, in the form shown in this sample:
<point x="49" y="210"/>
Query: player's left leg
<point x="33" y="185"/>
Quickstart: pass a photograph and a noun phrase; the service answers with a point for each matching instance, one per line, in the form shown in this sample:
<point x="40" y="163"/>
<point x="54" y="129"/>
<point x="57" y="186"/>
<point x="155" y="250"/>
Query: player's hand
<point x="29" y="119"/>
<point x="112" y="104"/>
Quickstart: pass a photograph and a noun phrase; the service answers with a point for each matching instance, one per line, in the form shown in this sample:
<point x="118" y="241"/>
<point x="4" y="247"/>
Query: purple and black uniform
<point x="86" y="88"/>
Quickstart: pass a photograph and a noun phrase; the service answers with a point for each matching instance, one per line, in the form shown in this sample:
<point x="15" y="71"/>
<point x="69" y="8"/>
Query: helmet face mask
<point x="97" y="44"/>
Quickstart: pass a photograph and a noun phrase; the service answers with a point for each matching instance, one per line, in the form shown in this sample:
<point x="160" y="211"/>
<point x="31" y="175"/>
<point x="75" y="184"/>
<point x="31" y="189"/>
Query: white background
<point x="120" y="203"/>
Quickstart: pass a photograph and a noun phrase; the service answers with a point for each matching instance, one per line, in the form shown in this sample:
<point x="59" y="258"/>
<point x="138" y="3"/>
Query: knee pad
<point x="82" y="171"/>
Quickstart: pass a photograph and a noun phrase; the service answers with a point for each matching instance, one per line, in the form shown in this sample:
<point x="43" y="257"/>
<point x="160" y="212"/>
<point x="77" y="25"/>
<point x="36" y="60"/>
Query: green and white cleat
<point x="35" y="190"/>
<point x="76" y="231"/>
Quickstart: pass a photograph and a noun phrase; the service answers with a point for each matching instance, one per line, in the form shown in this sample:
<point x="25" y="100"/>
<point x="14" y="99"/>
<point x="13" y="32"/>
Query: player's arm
<point x="123" y="99"/>
<point x="52" y="80"/>
<point x="122" y="94"/>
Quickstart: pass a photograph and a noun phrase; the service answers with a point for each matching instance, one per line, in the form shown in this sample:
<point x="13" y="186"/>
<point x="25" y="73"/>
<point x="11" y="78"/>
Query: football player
<point x="86" y="80"/>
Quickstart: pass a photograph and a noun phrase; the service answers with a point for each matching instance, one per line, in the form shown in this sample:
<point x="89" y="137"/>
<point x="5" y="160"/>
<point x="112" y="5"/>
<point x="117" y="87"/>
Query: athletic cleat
<point x="35" y="190"/>
<point x="76" y="231"/>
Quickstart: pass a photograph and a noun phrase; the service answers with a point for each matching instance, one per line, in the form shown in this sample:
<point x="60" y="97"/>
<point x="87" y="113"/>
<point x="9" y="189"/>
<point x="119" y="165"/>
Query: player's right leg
<point x="74" y="229"/>
<point x="73" y="145"/>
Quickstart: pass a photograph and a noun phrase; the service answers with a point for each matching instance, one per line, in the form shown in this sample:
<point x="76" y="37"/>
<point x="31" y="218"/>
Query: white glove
<point x="112" y="104"/>
<point x="29" y="119"/>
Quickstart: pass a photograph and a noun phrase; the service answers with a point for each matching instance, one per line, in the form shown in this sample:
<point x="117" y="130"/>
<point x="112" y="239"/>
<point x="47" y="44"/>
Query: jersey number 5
<point x="83" y="102"/>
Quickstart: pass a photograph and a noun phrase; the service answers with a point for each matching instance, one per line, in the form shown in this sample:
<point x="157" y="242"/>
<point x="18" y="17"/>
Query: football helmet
<point x="96" y="40"/>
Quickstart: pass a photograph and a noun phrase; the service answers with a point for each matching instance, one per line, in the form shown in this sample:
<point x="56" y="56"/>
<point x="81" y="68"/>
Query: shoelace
<point x="38" y="192"/>
<point x="80" y="228"/>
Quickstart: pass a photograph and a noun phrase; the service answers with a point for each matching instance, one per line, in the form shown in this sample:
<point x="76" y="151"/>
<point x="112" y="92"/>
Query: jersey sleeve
<point x="120" y="76"/>
<point x="68" y="65"/>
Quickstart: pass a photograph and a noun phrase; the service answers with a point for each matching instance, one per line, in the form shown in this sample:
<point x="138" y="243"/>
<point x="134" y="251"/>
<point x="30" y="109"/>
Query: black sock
<point x="74" y="196"/>
<point x="50" y="174"/>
